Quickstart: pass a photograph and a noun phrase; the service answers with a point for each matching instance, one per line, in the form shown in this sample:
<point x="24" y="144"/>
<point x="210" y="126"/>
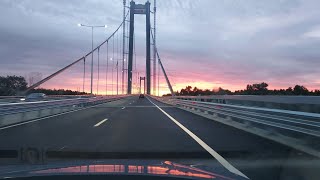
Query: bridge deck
<point x="137" y="125"/>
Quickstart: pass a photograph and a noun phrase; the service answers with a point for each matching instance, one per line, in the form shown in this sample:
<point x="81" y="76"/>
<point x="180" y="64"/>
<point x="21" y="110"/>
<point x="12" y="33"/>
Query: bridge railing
<point x="297" y="129"/>
<point x="293" y="103"/>
<point x="17" y="99"/>
<point x="12" y="113"/>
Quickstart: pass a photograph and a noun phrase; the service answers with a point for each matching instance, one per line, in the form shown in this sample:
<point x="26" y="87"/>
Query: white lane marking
<point x="217" y="156"/>
<point x="47" y="117"/>
<point x="99" y="123"/>
<point x="123" y="108"/>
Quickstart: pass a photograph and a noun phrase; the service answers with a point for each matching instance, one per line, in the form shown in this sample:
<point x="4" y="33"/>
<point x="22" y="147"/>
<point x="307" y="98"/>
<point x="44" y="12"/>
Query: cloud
<point x="313" y="33"/>
<point x="223" y="43"/>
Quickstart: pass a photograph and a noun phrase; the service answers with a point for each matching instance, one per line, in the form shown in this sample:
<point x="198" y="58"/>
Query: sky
<point x="203" y="43"/>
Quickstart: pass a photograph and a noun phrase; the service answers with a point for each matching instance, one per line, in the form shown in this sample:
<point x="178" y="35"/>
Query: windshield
<point x="228" y="87"/>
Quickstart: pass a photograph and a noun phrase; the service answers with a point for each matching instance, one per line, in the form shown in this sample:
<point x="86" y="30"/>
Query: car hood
<point x="117" y="167"/>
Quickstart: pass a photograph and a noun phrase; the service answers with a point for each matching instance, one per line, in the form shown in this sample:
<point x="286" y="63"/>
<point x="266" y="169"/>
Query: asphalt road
<point x="147" y="126"/>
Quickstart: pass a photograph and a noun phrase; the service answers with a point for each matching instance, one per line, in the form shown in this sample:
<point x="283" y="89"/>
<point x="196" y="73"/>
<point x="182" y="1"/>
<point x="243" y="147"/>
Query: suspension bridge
<point x="255" y="137"/>
<point x="119" y="50"/>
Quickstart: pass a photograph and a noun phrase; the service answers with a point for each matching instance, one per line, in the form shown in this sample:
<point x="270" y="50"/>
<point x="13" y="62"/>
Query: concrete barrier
<point x="10" y="118"/>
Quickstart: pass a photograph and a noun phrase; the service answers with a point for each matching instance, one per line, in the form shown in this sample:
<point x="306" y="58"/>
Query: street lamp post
<point x="92" y="27"/>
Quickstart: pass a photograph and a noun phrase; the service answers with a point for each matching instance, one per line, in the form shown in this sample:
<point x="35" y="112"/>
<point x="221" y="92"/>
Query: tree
<point x="300" y="90"/>
<point x="317" y="92"/>
<point x="207" y="92"/>
<point x="11" y="85"/>
<point x="195" y="91"/>
<point x="257" y="89"/>
<point x="223" y="91"/>
<point x="186" y="91"/>
<point x="249" y="87"/>
<point x="260" y="87"/>
<point x="289" y="91"/>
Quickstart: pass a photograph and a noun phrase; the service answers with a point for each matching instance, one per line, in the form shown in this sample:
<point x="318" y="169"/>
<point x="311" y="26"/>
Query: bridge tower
<point x="140" y="9"/>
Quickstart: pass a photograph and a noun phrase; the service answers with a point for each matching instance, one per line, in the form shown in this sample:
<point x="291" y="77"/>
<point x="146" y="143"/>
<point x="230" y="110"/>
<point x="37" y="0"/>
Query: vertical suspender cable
<point x="154" y="47"/>
<point x="84" y="73"/>
<point x="107" y="68"/>
<point x="91" y="62"/>
<point x="158" y="77"/>
<point x="123" y="44"/>
<point x="135" y="58"/>
<point x="98" y="70"/>
<point x="117" y="63"/>
<point x="127" y="57"/>
<point x="112" y="60"/>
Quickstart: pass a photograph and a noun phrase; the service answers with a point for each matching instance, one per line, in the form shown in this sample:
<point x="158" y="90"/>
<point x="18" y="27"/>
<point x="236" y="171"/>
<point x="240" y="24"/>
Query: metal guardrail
<point x="17" y="99"/>
<point x="14" y="108"/>
<point x="257" y="98"/>
<point x="293" y="103"/>
<point x="8" y="97"/>
<point x="301" y="122"/>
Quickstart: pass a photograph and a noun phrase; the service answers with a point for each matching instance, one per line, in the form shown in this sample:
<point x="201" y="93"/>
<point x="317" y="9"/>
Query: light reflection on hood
<point x="167" y="168"/>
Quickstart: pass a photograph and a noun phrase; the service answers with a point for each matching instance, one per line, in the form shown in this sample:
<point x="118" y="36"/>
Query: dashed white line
<point x="99" y="123"/>
<point x="217" y="156"/>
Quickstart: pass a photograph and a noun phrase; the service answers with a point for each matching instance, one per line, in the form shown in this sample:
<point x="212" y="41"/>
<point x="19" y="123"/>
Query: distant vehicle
<point x="34" y="97"/>
<point x="141" y="96"/>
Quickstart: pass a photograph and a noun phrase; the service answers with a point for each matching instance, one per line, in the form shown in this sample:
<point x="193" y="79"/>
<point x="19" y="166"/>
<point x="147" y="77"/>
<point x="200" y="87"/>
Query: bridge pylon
<point x="140" y="9"/>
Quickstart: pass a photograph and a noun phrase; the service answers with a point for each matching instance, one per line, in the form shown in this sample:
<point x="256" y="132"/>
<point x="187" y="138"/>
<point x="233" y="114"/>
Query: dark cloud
<point x="228" y="42"/>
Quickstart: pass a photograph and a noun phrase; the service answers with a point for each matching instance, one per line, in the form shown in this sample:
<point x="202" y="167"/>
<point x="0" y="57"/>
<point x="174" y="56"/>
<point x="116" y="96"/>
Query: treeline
<point x="57" y="92"/>
<point x="14" y="85"/>
<point x="251" y="89"/>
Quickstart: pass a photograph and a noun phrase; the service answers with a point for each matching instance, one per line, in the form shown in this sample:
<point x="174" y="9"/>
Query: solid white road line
<point x="99" y="123"/>
<point x="217" y="156"/>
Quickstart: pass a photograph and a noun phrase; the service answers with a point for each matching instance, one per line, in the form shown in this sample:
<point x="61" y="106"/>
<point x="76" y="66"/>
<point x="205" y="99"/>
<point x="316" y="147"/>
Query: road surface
<point x="142" y="126"/>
